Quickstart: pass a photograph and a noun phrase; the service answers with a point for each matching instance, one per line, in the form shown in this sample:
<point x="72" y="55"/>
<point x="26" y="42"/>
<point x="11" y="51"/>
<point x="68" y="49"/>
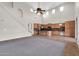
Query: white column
<point x="77" y="30"/>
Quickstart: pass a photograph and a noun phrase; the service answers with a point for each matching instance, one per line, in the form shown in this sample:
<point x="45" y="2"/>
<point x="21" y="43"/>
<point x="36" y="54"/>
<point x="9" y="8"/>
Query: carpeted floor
<point x="32" y="46"/>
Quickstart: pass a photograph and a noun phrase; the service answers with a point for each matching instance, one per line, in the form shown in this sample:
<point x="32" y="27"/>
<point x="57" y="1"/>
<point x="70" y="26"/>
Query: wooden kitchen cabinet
<point x="70" y="28"/>
<point x="47" y="29"/>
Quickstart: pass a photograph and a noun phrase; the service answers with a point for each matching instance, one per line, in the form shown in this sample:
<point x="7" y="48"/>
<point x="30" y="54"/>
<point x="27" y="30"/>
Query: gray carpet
<point x="32" y="46"/>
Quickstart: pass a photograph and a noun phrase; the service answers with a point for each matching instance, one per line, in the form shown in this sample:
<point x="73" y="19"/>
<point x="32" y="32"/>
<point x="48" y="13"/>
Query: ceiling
<point x="44" y="5"/>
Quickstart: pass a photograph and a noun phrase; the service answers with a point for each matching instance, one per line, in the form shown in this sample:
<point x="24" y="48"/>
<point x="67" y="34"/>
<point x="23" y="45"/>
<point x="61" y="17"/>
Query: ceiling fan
<point x="39" y="10"/>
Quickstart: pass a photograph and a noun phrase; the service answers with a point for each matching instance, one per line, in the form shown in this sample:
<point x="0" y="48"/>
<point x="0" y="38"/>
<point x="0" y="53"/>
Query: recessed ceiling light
<point x="31" y="10"/>
<point x="61" y="8"/>
<point x="53" y="11"/>
<point x="44" y="15"/>
<point x="47" y="13"/>
<point x="35" y="11"/>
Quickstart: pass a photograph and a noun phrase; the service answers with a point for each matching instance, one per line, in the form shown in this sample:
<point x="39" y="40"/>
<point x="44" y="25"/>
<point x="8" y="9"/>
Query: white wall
<point x="13" y="26"/>
<point x="60" y="17"/>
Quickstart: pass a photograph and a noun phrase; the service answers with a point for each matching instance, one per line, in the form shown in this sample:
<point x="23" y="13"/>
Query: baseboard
<point x="12" y="38"/>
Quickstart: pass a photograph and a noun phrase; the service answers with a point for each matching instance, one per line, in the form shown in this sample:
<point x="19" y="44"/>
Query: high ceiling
<point x="44" y="5"/>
